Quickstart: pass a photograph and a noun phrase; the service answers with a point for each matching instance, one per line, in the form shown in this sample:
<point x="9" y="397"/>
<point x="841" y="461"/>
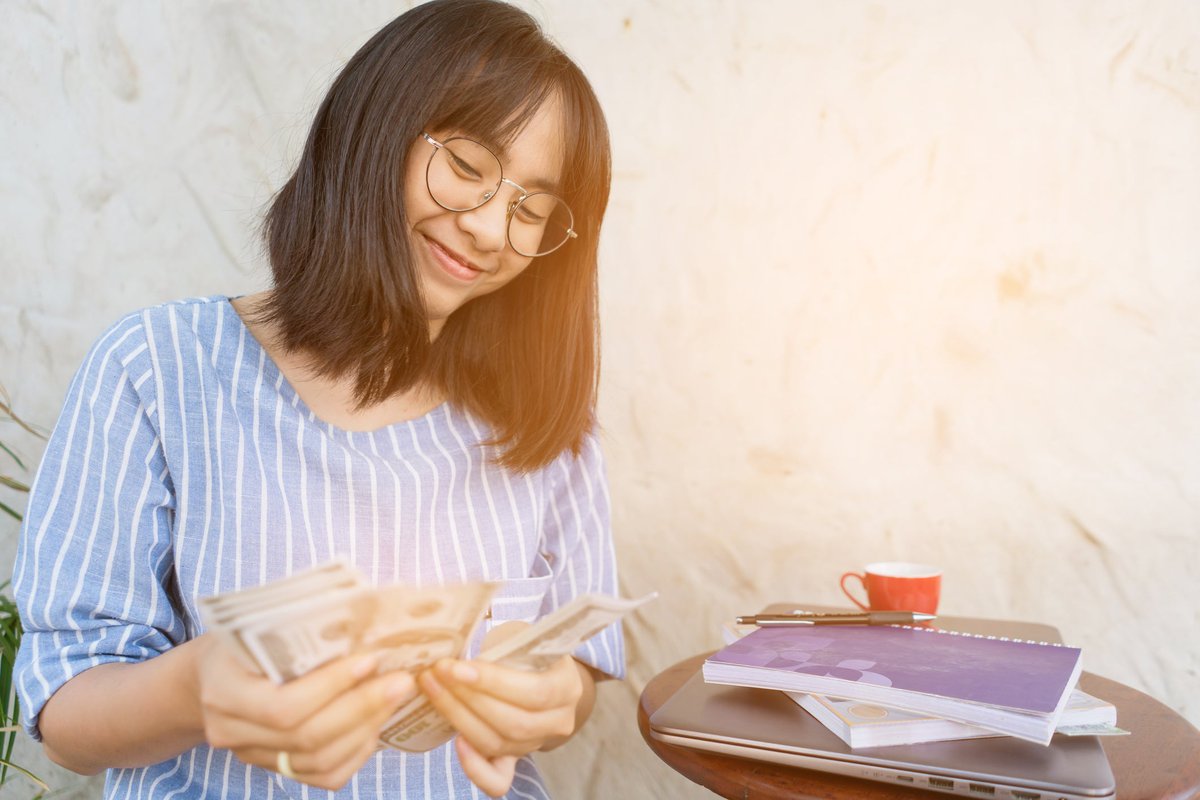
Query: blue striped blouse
<point x="184" y="464"/>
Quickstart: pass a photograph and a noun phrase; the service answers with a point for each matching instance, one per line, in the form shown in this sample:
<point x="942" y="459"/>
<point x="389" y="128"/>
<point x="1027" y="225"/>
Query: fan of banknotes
<point x="289" y="627"/>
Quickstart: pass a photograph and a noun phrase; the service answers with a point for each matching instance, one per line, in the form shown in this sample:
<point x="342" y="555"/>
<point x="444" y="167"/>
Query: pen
<point x="866" y="618"/>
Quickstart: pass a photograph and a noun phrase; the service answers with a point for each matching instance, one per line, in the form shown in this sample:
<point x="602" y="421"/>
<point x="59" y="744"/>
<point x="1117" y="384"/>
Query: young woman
<point x="415" y="394"/>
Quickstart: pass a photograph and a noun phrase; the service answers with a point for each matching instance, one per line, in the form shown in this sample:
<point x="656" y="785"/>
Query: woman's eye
<point x="464" y="168"/>
<point x="526" y="215"/>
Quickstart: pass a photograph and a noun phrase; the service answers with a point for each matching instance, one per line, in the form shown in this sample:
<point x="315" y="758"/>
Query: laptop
<point x="766" y="725"/>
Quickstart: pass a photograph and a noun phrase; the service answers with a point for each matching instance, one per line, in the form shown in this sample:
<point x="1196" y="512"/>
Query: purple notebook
<point x="1009" y="686"/>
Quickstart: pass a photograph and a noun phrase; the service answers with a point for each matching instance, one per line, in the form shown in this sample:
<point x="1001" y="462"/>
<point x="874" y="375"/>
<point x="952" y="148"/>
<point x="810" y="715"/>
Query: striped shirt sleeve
<point x="578" y="543"/>
<point x="91" y="577"/>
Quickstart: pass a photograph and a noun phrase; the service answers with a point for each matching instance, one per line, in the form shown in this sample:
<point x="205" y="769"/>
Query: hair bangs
<point x="496" y="100"/>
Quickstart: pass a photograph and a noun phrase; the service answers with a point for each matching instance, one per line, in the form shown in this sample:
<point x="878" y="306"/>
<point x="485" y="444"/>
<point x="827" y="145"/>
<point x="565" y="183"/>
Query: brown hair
<point x="524" y="358"/>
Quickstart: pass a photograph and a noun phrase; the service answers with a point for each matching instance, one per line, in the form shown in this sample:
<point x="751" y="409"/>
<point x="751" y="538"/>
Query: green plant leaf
<point x="12" y="455"/>
<point x="6" y="409"/>
<point x="10" y="624"/>
<point x="10" y="640"/>
<point x="8" y="764"/>
<point x="13" y="483"/>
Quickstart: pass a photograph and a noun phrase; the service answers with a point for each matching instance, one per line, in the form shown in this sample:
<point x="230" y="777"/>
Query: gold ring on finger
<point x="283" y="765"/>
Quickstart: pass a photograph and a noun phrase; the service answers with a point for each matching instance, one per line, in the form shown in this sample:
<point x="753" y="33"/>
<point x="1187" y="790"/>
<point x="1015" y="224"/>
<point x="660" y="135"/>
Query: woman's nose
<point x="487" y="225"/>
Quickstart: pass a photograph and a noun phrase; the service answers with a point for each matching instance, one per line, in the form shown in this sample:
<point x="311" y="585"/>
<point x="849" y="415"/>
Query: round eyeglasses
<point x="462" y="175"/>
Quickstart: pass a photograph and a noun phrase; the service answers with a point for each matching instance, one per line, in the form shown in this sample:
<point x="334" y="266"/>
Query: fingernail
<point x="465" y="672"/>
<point x="365" y="666"/>
<point x="399" y="689"/>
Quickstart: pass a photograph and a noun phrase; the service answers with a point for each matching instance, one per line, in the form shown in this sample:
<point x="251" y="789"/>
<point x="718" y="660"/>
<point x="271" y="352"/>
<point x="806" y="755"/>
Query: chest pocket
<point x="521" y="598"/>
<point x="516" y="599"/>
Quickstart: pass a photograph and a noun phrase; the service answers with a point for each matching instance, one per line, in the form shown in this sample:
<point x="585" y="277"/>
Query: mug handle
<point x="861" y="579"/>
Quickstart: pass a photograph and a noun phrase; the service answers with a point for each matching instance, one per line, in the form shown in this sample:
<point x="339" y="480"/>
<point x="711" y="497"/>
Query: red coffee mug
<point x="898" y="586"/>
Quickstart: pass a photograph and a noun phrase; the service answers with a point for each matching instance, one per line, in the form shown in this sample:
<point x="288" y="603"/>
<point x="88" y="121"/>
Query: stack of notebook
<point x="964" y="714"/>
<point x="888" y="685"/>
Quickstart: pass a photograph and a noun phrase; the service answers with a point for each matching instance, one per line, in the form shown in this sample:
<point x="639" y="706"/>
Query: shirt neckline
<point x="289" y="393"/>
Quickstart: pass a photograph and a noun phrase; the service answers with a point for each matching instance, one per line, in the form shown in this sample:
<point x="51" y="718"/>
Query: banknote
<point x="414" y="627"/>
<point x="561" y="632"/>
<point x="300" y="637"/>
<point x="418" y="726"/>
<point x="286" y="629"/>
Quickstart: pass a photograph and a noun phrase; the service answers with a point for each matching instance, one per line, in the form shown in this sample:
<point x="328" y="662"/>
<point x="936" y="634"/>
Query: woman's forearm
<point x="126" y="714"/>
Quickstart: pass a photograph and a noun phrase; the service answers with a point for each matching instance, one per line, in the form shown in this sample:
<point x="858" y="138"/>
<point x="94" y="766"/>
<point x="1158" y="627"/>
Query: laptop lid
<point x="765" y="725"/>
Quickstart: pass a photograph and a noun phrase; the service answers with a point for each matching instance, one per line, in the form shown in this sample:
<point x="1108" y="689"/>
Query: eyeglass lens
<point x="463" y="175"/>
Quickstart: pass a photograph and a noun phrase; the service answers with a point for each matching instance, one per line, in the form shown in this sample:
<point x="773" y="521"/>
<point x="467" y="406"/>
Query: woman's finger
<point x="331" y="764"/>
<point x="307" y="765"/>
<point x="492" y="775"/>
<point x="558" y="686"/>
<point x="370" y="703"/>
<point x="514" y="723"/>
<point x="237" y="693"/>
<point x="328" y="770"/>
<point x="486" y="739"/>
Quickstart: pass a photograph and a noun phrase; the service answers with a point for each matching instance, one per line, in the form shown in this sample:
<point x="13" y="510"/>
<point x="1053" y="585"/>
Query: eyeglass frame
<point x="512" y="206"/>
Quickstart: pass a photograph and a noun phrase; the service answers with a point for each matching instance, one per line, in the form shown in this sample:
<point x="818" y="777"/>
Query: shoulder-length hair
<point x="524" y="358"/>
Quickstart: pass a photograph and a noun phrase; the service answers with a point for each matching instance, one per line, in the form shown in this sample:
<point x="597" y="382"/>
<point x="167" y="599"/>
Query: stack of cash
<point x="289" y="627"/>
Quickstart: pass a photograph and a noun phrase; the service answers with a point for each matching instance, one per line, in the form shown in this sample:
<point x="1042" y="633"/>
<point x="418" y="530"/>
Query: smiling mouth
<point x="452" y="263"/>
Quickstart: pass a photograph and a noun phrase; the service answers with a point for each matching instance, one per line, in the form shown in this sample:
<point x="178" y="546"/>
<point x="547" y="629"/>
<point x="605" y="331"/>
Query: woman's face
<point x="461" y="255"/>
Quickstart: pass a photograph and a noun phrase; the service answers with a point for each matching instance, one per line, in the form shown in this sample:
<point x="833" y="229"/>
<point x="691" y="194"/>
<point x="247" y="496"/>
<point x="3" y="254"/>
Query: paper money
<point x="292" y="626"/>
<point x="417" y="626"/>
<point x="289" y="627"/>
<point x="297" y="639"/>
<point x="559" y="633"/>
<point x="227" y="614"/>
<point x="418" y="726"/>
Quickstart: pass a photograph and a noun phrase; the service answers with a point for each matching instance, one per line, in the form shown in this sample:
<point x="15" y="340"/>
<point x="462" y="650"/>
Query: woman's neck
<point x="332" y="399"/>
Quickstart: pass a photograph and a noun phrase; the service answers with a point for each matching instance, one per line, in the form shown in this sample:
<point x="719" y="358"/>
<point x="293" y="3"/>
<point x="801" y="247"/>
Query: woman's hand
<point x="502" y="713"/>
<point x="327" y="722"/>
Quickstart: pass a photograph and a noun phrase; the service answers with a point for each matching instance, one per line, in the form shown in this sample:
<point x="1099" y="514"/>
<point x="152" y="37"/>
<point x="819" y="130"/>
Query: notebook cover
<point x="1026" y="676"/>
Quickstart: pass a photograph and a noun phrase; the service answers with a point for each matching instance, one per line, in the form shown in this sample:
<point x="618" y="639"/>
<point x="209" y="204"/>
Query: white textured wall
<point x="880" y="280"/>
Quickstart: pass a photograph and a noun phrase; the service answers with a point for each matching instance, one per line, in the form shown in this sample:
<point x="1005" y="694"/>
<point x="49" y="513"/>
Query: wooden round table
<point x="1160" y="759"/>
